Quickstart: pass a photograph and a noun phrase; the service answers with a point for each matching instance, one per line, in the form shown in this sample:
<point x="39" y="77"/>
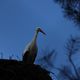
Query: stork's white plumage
<point x="31" y="50"/>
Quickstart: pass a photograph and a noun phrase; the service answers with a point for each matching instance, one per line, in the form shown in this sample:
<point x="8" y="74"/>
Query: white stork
<point x="31" y="50"/>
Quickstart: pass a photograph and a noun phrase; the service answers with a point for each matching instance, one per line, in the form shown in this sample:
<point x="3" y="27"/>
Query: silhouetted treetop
<point x="71" y="9"/>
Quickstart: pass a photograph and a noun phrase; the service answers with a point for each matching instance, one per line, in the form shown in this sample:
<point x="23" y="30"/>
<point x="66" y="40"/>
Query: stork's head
<point x="38" y="29"/>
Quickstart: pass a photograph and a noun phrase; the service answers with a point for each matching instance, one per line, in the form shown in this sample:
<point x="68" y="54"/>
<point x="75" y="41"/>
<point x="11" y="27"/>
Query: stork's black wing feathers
<point x="25" y="57"/>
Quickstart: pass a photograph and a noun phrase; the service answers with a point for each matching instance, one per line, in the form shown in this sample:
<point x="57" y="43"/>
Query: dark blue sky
<point x="19" y="18"/>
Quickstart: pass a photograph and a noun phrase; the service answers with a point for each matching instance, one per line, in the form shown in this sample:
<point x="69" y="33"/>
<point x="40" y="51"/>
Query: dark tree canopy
<point x="71" y="9"/>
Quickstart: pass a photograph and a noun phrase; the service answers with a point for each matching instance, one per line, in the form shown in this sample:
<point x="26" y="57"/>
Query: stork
<point x="30" y="52"/>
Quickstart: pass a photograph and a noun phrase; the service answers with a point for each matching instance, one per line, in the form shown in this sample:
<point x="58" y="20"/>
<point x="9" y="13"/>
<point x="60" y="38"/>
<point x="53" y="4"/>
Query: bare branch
<point x="47" y="58"/>
<point x="64" y="72"/>
<point x="11" y="57"/>
<point x="1" y="55"/>
<point x="72" y="47"/>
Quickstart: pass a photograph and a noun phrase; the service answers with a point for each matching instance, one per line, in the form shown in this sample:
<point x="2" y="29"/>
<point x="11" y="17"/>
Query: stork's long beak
<point x="42" y="32"/>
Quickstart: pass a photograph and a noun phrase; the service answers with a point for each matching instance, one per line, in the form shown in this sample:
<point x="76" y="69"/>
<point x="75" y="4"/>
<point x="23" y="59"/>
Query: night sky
<point x="18" y="20"/>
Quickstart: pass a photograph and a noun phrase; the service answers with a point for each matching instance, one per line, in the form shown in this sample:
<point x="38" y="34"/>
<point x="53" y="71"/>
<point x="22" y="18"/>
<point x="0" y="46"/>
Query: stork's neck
<point x="35" y="36"/>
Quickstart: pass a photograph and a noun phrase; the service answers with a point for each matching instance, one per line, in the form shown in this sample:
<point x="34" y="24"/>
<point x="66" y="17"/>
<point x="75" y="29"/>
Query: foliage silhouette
<point x="65" y="72"/>
<point x="71" y="9"/>
<point x="72" y="47"/>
